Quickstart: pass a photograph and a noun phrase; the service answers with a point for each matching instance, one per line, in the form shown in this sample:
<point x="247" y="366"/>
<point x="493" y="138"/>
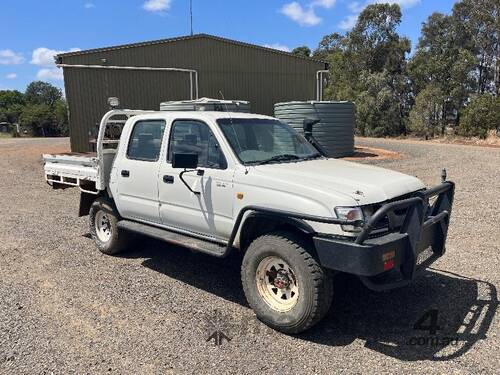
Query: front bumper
<point x="391" y="260"/>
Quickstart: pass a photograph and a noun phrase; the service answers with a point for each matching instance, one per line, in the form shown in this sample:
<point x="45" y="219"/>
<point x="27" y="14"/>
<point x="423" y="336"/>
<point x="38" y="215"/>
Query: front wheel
<point x="103" y="219"/>
<point x="285" y="286"/>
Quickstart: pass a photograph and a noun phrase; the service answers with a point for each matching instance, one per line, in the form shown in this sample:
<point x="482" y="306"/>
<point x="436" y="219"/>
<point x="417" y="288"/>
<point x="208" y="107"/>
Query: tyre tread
<point x="119" y="240"/>
<point x="323" y="287"/>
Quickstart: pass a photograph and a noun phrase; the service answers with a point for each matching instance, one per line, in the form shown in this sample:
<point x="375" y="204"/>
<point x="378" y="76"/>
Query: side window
<point x="145" y="140"/>
<point x="191" y="136"/>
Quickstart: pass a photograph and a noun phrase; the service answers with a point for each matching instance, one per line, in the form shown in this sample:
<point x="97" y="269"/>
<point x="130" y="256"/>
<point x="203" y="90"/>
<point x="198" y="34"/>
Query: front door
<point x="208" y="213"/>
<point x="137" y="172"/>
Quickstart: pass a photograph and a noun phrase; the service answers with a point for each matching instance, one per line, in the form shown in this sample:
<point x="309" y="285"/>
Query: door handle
<point x="168" y="179"/>
<point x="125" y="173"/>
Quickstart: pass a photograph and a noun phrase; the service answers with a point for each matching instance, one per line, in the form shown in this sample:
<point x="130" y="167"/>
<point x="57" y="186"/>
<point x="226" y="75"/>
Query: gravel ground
<point x="66" y="308"/>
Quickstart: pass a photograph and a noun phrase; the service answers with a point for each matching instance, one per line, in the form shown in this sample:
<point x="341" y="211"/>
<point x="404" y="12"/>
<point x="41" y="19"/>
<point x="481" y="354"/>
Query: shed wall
<point x="241" y="72"/>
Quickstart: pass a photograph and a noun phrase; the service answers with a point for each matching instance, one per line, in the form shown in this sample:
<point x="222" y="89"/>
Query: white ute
<point x="216" y="182"/>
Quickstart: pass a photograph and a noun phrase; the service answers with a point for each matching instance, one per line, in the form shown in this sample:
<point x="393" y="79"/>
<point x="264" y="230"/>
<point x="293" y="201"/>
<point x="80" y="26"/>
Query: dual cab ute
<point x="218" y="182"/>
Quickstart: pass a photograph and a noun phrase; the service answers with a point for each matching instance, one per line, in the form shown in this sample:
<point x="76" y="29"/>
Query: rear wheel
<point x="284" y="284"/>
<point x="103" y="219"/>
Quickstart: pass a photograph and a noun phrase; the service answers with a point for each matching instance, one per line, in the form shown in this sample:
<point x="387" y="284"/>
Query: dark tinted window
<point x="190" y="136"/>
<point x="145" y="140"/>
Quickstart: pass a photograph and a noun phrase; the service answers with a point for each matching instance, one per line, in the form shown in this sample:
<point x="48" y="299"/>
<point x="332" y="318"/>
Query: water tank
<point x="207" y="104"/>
<point x="335" y="131"/>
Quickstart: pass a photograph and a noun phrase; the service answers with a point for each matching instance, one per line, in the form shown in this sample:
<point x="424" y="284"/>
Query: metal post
<point x="319" y="84"/>
<point x="147" y="68"/>
<point x="191" y="85"/>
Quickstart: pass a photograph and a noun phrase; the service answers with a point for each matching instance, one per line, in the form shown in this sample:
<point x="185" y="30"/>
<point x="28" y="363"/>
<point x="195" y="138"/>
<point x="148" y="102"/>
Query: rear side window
<point x="145" y="140"/>
<point x="191" y="136"/>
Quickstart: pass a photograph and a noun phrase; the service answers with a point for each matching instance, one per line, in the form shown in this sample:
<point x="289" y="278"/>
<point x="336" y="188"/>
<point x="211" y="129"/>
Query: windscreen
<point x="257" y="141"/>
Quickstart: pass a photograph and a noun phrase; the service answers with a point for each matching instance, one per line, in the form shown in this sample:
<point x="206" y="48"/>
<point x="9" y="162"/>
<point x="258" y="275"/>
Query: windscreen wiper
<point x="282" y="157"/>
<point x="315" y="156"/>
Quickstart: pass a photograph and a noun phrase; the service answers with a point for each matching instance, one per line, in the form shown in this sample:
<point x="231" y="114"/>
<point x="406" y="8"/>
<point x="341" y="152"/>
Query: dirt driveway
<point x="66" y="308"/>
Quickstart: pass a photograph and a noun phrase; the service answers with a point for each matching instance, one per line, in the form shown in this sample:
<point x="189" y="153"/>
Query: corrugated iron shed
<point x="241" y="71"/>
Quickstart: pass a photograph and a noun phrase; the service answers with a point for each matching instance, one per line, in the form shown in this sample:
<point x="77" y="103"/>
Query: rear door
<point x="209" y="213"/>
<point x="137" y="171"/>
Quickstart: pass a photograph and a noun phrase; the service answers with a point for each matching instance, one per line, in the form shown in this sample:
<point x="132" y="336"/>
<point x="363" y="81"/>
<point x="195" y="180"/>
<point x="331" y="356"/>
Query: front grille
<point x="392" y="221"/>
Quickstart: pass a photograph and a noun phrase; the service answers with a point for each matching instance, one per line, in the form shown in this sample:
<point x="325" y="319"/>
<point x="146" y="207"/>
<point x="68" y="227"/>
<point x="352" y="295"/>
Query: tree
<point x="480" y="115"/>
<point x="10" y="97"/>
<point x="459" y="53"/>
<point x="41" y="108"/>
<point x="39" y="117"/>
<point x="42" y="93"/>
<point x="375" y="40"/>
<point x="11" y="104"/>
<point x="329" y="44"/>
<point x="11" y="114"/>
<point x="368" y="66"/>
<point x="442" y="61"/>
<point x="435" y="55"/>
<point x="302" y="51"/>
<point x="427" y="113"/>
<point x="377" y="108"/>
<point x="477" y="26"/>
<point x="61" y="117"/>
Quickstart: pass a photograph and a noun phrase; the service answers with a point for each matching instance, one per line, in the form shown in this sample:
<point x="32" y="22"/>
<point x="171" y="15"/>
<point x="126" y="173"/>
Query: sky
<point x="34" y="30"/>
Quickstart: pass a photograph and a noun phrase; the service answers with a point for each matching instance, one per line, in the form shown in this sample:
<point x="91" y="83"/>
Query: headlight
<point x="349" y="213"/>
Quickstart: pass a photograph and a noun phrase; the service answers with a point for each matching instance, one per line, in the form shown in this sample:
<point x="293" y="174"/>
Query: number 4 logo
<point x="431" y="317"/>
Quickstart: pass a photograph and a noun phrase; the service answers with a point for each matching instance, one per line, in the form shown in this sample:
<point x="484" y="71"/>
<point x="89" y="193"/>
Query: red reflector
<point x="388" y="264"/>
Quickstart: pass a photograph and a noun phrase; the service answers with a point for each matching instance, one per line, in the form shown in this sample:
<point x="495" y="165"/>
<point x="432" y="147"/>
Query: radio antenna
<point x="191" y="15"/>
<point x="225" y="105"/>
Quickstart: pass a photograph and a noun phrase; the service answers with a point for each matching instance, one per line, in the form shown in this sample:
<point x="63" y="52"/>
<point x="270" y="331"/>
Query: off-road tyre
<point x="314" y="284"/>
<point x="116" y="241"/>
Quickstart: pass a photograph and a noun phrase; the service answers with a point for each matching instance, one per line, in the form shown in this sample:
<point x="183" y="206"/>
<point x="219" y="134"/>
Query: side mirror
<point x="308" y="124"/>
<point x="185" y="161"/>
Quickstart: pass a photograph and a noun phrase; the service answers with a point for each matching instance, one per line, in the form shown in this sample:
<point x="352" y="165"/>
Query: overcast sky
<point x="34" y="30"/>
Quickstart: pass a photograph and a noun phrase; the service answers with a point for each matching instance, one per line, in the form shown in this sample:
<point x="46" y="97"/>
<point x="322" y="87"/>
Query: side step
<point x="183" y="240"/>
